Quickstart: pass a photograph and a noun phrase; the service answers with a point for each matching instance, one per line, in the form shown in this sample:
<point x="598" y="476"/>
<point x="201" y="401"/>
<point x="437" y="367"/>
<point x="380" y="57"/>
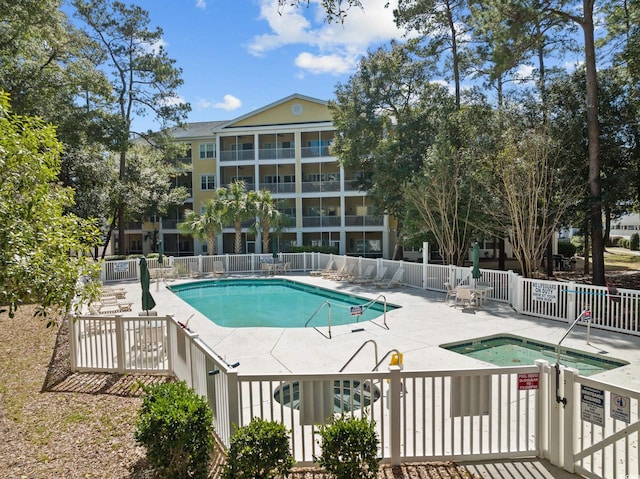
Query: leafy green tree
<point x="239" y="206"/>
<point x="386" y="117"/>
<point x="268" y="217"/>
<point x="443" y="28"/>
<point x="146" y="187"/>
<point x="449" y="195"/>
<point x="41" y="249"/>
<point x="205" y="226"/>
<point x="532" y="193"/>
<point x="143" y="78"/>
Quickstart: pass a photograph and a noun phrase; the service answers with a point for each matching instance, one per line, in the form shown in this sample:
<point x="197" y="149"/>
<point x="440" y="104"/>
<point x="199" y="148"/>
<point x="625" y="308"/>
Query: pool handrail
<point x="375" y="345"/>
<point x="384" y="311"/>
<point x="394" y="350"/>
<point x="328" y="317"/>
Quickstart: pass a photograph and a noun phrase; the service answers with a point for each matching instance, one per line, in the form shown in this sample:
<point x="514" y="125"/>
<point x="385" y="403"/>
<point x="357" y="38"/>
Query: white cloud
<point x="173" y="100"/>
<point x="230" y="103"/>
<point x="329" y="47"/>
<point x="334" y="64"/>
<point x="201" y="4"/>
<point x="524" y="74"/>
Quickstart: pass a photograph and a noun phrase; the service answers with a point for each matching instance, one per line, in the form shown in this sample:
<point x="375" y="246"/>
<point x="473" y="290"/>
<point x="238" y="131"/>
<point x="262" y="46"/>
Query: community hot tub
<point x="510" y="350"/>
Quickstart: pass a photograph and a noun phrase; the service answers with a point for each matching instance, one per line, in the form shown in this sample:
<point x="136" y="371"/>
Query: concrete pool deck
<point x="417" y="329"/>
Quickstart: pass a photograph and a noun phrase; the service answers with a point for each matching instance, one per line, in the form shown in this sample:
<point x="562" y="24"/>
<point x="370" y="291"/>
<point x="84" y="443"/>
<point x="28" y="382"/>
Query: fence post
<point x="517" y="284"/>
<point x="73" y="342"/>
<point x="120" y="348"/>
<point x="555" y="416"/>
<point x="571" y="302"/>
<point x="542" y="419"/>
<point x="395" y="423"/>
<point x="453" y="280"/>
<point x="570" y="411"/>
<point x="233" y="401"/>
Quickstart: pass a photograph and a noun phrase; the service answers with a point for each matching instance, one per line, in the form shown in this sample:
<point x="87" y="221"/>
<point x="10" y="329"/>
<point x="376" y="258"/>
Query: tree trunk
<point x="502" y="258"/>
<point x="121" y="225"/>
<point x="593" y="126"/>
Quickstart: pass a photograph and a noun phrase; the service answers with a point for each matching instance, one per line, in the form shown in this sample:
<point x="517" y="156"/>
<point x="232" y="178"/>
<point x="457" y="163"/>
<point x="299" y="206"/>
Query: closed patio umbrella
<point x="160" y="252"/>
<point x="145" y="279"/>
<point x="475" y="272"/>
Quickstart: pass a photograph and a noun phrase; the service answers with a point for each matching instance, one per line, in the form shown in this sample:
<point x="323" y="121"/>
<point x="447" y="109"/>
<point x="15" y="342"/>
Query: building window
<point x="207" y="182"/>
<point x="207" y="150"/>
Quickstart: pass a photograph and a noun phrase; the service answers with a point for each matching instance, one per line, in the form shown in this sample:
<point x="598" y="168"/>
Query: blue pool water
<point x="273" y="303"/>
<point x="508" y="350"/>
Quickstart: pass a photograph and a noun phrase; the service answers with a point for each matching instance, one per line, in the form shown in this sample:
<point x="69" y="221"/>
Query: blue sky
<point x="240" y="55"/>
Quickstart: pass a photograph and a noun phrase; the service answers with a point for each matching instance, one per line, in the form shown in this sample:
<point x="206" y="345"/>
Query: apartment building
<point x="284" y="148"/>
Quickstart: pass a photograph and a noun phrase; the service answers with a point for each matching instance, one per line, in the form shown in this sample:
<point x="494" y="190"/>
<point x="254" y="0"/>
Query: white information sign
<point x="620" y="409"/>
<point x="121" y="267"/>
<point x="547" y="293"/>
<point x="592" y="402"/>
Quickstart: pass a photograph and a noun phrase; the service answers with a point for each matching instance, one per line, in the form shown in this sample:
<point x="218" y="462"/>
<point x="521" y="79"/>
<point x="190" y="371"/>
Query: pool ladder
<point x="366" y="306"/>
<point x="375" y="348"/>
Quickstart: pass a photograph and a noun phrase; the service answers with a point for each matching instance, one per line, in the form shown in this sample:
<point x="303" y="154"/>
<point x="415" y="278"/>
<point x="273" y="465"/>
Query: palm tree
<point x="239" y="206"/>
<point x="207" y="225"/>
<point x="267" y="217"/>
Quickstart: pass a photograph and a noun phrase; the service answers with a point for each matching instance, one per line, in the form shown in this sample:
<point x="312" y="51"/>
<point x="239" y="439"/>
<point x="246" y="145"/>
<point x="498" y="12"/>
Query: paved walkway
<point x="517" y="469"/>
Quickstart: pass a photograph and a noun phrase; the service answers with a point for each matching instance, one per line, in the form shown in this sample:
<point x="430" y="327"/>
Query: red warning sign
<point x="528" y="381"/>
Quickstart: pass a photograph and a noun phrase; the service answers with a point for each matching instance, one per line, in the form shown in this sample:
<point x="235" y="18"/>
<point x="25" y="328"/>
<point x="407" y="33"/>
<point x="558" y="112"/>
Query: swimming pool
<point x="508" y="350"/>
<point x="275" y="303"/>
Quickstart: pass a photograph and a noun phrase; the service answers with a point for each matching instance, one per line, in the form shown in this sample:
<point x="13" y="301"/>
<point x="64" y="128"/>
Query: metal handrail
<point x="375" y="345"/>
<point x="385" y="357"/>
<point x="384" y="312"/>
<point x="328" y="317"/>
<point x="560" y="399"/>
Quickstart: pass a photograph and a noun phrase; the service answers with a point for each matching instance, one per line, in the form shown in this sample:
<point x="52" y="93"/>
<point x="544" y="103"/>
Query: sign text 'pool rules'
<point x="547" y="293"/>
<point x="528" y="381"/>
<point x="592" y="405"/>
<point x="620" y="408"/>
<point x="356" y="310"/>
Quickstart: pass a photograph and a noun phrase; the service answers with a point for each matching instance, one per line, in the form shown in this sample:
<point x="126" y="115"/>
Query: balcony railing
<point x="316" y="186"/>
<point x="320" y="221"/>
<point x="237" y="155"/>
<point x="276" y="153"/>
<point x="314" y="151"/>
<point x="279" y="187"/>
<point x="363" y="220"/>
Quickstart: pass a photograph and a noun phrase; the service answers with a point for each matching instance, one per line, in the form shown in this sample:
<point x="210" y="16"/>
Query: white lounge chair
<point x="325" y="270"/>
<point x="218" y="268"/>
<point x="336" y="275"/>
<point x="396" y="280"/>
<point x="378" y="277"/>
<point x="365" y="276"/>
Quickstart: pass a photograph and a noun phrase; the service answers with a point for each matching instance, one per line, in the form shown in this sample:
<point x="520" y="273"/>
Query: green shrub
<point x="176" y="427"/>
<point x="315" y="249"/>
<point x="634" y="242"/>
<point x="259" y="450"/>
<point x="578" y="242"/>
<point x="349" y="448"/>
<point x="624" y="243"/>
<point x="566" y="248"/>
<point x="614" y="241"/>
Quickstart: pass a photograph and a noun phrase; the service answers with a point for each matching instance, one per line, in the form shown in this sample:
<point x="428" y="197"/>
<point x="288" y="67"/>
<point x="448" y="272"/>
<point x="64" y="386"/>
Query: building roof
<point x="195" y="130"/>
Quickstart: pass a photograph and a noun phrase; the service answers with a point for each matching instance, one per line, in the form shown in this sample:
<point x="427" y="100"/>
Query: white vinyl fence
<point x="612" y="309"/>
<point x="478" y="414"/>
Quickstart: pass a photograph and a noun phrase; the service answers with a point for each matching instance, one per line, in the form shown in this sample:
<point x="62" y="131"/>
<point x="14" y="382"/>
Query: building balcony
<point x="317" y="186"/>
<point x="314" y="151"/>
<point x="276" y="153"/>
<point x="321" y="221"/>
<point x="237" y="155"/>
<point x="279" y="187"/>
<point x="363" y="220"/>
